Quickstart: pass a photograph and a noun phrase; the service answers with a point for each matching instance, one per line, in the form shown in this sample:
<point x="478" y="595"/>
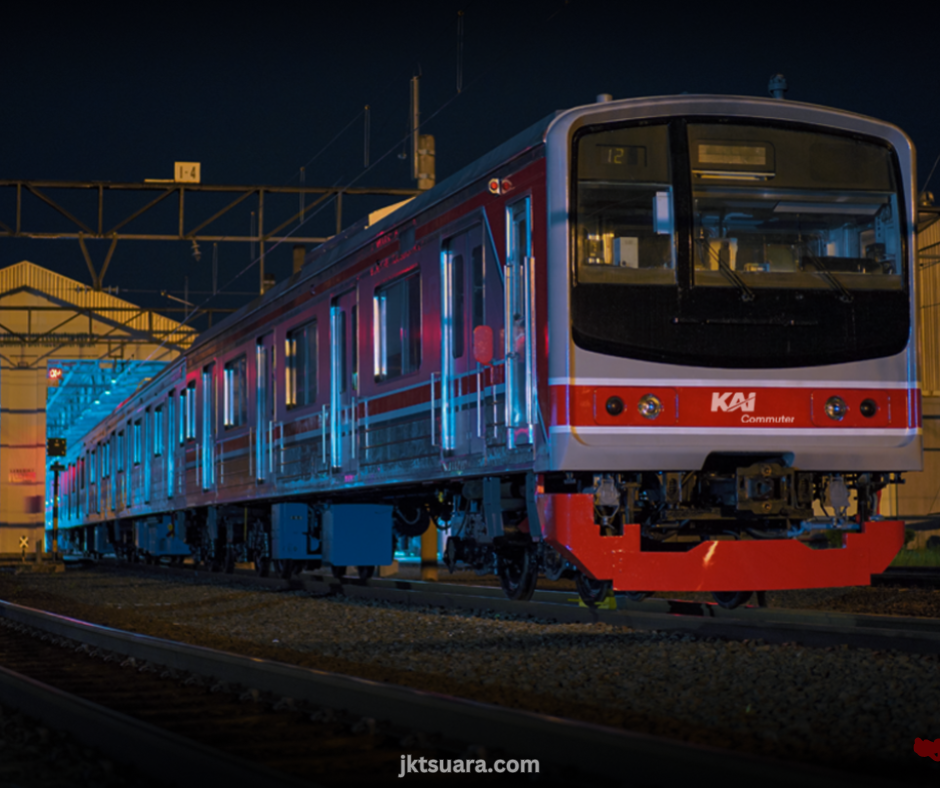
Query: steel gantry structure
<point x="102" y="195"/>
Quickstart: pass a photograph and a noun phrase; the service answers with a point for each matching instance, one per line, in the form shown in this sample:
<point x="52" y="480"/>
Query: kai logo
<point x="733" y="400"/>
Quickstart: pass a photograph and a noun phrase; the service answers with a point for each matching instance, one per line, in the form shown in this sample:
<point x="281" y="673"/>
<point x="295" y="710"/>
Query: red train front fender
<point x="751" y="565"/>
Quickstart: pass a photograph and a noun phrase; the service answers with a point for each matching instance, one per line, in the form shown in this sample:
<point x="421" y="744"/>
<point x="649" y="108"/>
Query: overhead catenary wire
<point x="194" y="312"/>
<point x="927" y="182"/>
<point x="323" y="205"/>
<point x="460" y="18"/>
<point x="365" y="137"/>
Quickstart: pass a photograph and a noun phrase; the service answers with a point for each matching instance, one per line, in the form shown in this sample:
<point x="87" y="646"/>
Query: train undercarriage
<point x="504" y="525"/>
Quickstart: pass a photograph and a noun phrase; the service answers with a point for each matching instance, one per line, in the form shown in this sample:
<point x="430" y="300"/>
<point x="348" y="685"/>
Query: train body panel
<point x="696" y="309"/>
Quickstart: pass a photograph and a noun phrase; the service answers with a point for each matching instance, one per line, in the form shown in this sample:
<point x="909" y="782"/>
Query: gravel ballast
<point x="32" y="755"/>
<point x="848" y="707"/>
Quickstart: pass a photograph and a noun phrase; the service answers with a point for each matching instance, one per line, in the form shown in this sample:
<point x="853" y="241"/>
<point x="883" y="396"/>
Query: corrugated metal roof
<point x="73" y="293"/>
<point x="90" y="388"/>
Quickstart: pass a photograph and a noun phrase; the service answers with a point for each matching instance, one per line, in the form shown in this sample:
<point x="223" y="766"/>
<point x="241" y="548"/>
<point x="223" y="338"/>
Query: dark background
<point x="255" y="93"/>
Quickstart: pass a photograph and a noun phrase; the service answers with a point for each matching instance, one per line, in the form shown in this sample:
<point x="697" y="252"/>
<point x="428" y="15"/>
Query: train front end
<point x="736" y="383"/>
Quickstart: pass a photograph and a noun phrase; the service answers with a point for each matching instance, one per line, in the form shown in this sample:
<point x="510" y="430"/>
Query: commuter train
<point x="655" y="344"/>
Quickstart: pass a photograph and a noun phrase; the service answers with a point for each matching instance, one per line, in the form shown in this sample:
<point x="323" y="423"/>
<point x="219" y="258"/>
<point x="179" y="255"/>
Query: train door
<point x="265" y="399"/>
<point x="116" y="470"/>
<point x="93" y="483"/>
<point x="464" y="380"/>
<point x="189" y="465"/>
<point x="150" y="445"/>
<point x="208" y="418"/>
<point x="170" y="443"/>
<point x="344" y="382"/>
<point x="519" y="336"/>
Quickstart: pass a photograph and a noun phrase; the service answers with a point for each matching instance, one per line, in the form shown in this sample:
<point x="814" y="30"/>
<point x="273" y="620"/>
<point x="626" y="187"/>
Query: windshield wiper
<point x="746" y="293"/>
<point x="834" y="284"/>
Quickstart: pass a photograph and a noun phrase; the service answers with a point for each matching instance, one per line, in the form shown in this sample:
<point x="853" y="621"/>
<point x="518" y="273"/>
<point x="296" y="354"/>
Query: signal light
<point x="836" y="408"/>
<point x="649" y="406"/>
<point x="614" y="406"/>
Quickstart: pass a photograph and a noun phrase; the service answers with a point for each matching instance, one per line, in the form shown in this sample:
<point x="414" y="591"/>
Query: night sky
<point x="256" y="94"/>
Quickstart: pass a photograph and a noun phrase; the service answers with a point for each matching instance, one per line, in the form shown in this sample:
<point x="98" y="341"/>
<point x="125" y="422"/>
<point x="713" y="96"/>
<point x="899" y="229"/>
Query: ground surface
<point x="34" y="756"/>
<point x="847" y="707"/>
<point x="883" y="600"/>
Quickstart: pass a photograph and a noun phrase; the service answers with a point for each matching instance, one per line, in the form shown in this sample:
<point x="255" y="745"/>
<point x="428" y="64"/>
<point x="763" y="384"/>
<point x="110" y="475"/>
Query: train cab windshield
<point x="782" y="208"/>
<point x="625" y="207"/>
<point x="796" y="233"/>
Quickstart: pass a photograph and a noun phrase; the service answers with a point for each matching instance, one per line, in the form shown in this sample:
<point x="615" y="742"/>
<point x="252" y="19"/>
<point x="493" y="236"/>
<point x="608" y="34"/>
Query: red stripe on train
<point x="733" y="406"/>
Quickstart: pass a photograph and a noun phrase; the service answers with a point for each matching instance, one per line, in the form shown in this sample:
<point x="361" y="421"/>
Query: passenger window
<point x="479" y="293"/>
<point x="458" y="302"/>
<point x="188" y="413"/>
<point x="301" y="366"/>
<point x="181" y="431"/>
<point x="397" y="327"/>
<point x="158" y="431"/>
<point x="137" y="442"/>
<point x="236" y="386"/>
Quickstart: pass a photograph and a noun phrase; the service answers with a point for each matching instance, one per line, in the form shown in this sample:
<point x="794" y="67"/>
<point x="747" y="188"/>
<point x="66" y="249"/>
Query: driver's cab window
<point x="625" y="226"/>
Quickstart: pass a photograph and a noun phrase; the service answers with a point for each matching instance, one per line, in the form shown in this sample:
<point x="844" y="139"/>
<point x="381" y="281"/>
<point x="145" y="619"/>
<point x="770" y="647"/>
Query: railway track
<point x="909" y="577"/>
<point x="812" y="628"/>
<point x="190" y="714"/>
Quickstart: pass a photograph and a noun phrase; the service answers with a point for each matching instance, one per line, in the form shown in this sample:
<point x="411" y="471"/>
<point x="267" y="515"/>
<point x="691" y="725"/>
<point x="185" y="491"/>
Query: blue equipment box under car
<point x="158" y="536"/>
<point x="292" y="533"/>
<point x="357" y="534"/>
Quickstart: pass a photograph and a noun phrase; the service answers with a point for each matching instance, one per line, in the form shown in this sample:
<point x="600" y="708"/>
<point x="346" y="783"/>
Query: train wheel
<point x="518" y="571"/>
<point x="338" y="571"/>
<point x="553" y="563"/>
<point x="591" y="591"/>
<point x="637" y="596"/>
<point x="365" y="572"/>
<point x="450" y="553"/>
<point x="284" y="567"/>
<point x="731" y="599"/>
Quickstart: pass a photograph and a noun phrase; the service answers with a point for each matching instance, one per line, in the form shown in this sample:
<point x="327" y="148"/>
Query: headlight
<point x="836" y="408"/>
<point x="614" y="406"/>
<point x="649" y="406"/>
<point x="868" y="408"/>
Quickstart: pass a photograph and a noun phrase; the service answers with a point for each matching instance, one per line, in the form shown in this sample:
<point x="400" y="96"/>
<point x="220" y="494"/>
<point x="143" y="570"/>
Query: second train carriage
<point x="665" y="343"/>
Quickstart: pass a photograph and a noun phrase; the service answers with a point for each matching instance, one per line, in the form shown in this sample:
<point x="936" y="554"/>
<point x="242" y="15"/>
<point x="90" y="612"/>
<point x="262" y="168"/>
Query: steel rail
<point x="588" y="748"/>
<point x="811" y="628"/>
<point x="776" y="625"/>
<point x="158" y="754"/>
<point x="909" y="576"/>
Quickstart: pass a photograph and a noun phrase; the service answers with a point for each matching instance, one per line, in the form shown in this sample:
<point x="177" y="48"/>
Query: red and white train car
<point x="665" y="344"/>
